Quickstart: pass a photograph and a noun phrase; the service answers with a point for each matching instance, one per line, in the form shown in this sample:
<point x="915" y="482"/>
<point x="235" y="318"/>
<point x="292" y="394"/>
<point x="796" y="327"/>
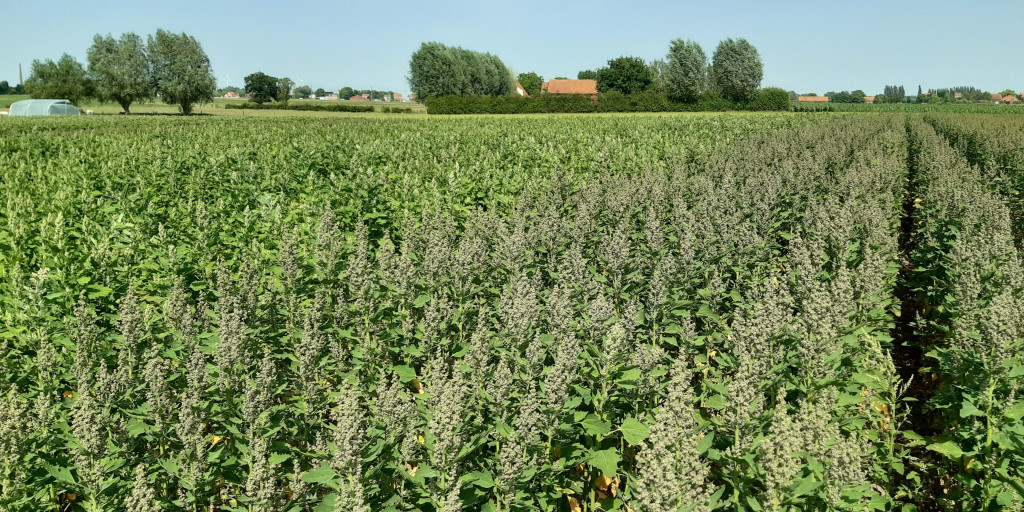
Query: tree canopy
<point x="625" y="75"/>
<point x="439" y="70"/>
<point x="64" y="79"/>
<point x="262" y="86"/>
<point x="181" y="70"/>
<point x="686" y="73"/>
<point x="736" y="69"/>
<point x="303" y="91"/>
<point x="120" y="68"/>
<point x="532" y="82"/>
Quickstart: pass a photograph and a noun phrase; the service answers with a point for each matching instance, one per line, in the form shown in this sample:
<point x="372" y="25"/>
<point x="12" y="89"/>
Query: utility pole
<point x="21" y="81"/>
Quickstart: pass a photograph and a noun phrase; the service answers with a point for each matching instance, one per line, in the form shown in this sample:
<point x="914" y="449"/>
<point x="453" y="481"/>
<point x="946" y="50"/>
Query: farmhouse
<point x="231" y="95"/>
<point x="996" y="97"/>
<point x="1009" y="98"/>
<point x="521" y="91"/>
<point x="570" y="87"/>
<point x="817" y="98"/>
<point x="359" y="98"/>
<point x="958" y="95"/>
<point x="397" y="97"/>
<point x="412" y="97"/>
<point x="869" y="99"/>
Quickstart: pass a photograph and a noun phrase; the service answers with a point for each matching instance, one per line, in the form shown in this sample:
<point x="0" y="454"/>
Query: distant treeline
<point x="766" y="100"/>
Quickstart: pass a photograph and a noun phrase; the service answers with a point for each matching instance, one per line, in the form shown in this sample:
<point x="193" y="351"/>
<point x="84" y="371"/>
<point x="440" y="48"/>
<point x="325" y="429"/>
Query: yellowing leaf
<point x="69" y="394"/>
<point x="574" y="505"/>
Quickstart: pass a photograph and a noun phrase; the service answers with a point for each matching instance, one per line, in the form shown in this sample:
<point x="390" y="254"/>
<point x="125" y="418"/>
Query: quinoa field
<point x="642" y="313"/>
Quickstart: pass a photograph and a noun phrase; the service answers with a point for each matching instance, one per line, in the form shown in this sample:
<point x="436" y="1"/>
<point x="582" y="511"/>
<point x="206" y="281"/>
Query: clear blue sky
<point x="806" y="46"/>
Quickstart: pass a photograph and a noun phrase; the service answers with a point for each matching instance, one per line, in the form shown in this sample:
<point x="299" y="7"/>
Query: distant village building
<point x="1009" y="98"/>
<point x="412" y="97"/>
<point x="521" y="91"/>
<point x="397" y="97"/>
<point x="231" y="95"/>
<point x="869" y="99"/>
<point x="359" y="98"/>
<point x="821" y="99"/>
<point x="958" y="95"/>
<point x="570" y="87"/>
<point x="996" y="97"/>
<point x="332" y="96"/>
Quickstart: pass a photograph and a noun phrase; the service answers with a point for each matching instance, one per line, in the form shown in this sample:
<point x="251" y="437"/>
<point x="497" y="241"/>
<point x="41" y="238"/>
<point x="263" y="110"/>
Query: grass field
<point x="215" y="108"/>
<point x="564" y="313"/>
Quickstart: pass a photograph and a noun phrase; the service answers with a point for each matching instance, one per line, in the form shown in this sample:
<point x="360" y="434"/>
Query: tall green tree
<point x="5" y="88"/>
<point x="736" y="69"/>
<point x="181" y="70"/>
<point x="120" y="68"/>
<point x="686" y="74"/>
<point x="262" y="87"/>
<point x="532" y="82"/>
<point x="303" y="91"/>
<point x="284" y="89"/>
<point x="346" y="92"/>
<point x="64" y="79"/>
<point x="626" y="75"/>
<point x="439" y="70"/>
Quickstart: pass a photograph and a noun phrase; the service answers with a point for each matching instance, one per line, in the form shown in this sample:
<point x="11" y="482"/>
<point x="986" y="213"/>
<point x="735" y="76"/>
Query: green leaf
<point x="968" y="409"/>
<point x="327" y="505"/>
<point x="319" y="475"/>
<point x="948" y="448"/>
<point x="633" y="431"/>
<point x="60" y="473"/>
<point x="704" y="444"/>
<point x="606" y="460"/>
<point x="277" y="458"/>
<point x="405" y="373"/>
<point x="481" y="479"/>
<point x="594" y="426"/>
<point x="421" y="301"/>
<point x="806" y="485"/>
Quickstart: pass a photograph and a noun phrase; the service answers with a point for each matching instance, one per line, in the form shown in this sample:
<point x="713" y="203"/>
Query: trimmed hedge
<point x="767" y="100"/>
<point x="301" y="106"/>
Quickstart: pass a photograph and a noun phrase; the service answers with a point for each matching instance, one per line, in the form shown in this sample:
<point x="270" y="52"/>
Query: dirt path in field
<point x="908" y="342"/>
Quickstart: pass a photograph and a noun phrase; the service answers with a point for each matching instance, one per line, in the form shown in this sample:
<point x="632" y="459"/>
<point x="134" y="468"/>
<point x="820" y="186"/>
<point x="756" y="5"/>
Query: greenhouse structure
<point x="43" y="108"/>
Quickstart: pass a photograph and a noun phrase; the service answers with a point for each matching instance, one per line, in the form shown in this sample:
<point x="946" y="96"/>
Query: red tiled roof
<point x="996" y="96"/>
<point x="869" y="99"/>
<point x="812" y="98"/>
<point x="958" y="95"/>
<point x="1008" y="98"/>
<point x="572" y="87"/>
<point x="358" y="98"/>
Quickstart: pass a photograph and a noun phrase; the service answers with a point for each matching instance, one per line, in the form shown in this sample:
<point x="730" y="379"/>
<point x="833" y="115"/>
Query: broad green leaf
<point x="633" y="431"/>
<point x="606" y="460"/>
<point x="594" y="426"/>
<point x="968" y="409"/>
<point x="948" y="448"/>
<point x="319" y="475"/>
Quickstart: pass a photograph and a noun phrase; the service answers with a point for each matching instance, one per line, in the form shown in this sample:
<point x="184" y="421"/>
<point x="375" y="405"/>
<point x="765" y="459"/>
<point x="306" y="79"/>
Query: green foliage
<point x="5" y="88"/>
<point x="766" y="100"/>
<point x="181" y="70"/>
<point x="736" y="69"/>
<point x="532" y="82"/>
<point x="552" y="313"/>
<point x="625" y="75"/>
<point x="263" y="87"/>
<point x="437" y="70"/>
<point x="310" y="107"/>
<point x="303" y="92"/>
<point x="686" y="73"/>
<point x="64" y="79"/>
<point x="120" y="69"/>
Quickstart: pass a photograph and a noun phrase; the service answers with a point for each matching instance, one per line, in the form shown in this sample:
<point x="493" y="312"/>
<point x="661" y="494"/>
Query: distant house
<point x="366" y="96"/>
<point x="231" y="94"/>
<point x="1009" y="98"/>
<point x="821" y="99"/>
<point x="387" y="97"/>
<point x="521" y="91"/>
<point x="332" y="96"/>
<point x="412" y="97"/>
<point x="359" y="98"/>
<point x="996" y="97"/>
<point x="397" y="97"/>
<point x="572" y="87"/>
<point x="869" y="99"/>
<point x="958" y="95"/>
